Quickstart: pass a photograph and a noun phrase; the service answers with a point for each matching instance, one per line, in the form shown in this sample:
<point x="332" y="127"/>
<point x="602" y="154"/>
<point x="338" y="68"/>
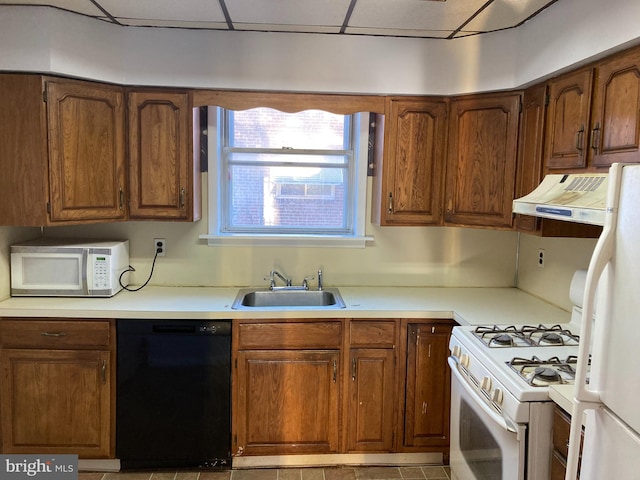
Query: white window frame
<point x="215" y="235"/>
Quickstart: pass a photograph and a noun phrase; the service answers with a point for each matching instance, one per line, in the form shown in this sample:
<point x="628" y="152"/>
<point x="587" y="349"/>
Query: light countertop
<point x="562" y="395"/>
<point x="467" y="306"/>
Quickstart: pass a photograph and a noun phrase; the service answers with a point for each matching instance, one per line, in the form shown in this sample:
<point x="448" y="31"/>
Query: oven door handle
<point x="502" y="421"/>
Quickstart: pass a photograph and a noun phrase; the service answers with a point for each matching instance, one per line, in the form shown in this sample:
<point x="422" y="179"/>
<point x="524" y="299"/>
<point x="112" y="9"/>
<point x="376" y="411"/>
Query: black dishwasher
<point x="173" y="407"/>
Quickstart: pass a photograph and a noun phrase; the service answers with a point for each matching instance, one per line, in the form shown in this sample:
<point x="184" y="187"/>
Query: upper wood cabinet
<point x="530" y="151"/>
<point x="593" y="118"/>
<point x="62" y="151"/>
<point x="615" y="128"/>
<point x="481" y="162"/>
<point x="163" y="172"/>
<point x="568" y="114"/>
<point x="410" y="149"/>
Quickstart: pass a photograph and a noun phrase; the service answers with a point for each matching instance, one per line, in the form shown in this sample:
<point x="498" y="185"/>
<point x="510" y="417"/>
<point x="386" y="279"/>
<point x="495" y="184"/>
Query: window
<point x="286" y="178"/>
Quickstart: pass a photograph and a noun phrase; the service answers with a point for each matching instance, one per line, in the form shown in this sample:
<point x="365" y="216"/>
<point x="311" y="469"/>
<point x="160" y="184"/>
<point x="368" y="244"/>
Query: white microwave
<point x="57" y="267"/>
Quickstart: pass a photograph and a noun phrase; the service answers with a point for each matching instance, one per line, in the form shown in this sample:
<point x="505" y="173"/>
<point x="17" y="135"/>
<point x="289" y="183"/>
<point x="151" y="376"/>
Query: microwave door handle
<point x="85" y="259"/>
<point x="504" y="423"/>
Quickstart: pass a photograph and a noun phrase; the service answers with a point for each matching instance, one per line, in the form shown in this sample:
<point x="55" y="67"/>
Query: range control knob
<point x="464" y="360"/>
<point x="496" y="396"/>
<point x="485" y="384"/>
<point x="456" y="351"/>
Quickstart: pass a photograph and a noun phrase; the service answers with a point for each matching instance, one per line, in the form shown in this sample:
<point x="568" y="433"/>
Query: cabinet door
<point x="529" y="171"/>
<point x="287" y="402"/>
<point x="483" y="141"/>
<point x="411" y="192"/>
<point x="568" y="115"/>
<point x="56" y="402"/>
<point x="86" y="152"/>
<point x="371" y="393"/>
<point x="161" y="164"/>
<point x="426" y="421"/>
<point x="615" y="135"/>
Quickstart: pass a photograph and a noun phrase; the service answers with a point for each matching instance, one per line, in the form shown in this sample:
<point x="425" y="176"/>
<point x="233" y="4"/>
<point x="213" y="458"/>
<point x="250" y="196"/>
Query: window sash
<point x="231" y="157"/>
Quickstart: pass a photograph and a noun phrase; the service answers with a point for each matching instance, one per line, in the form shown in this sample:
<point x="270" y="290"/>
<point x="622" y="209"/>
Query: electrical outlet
<point x="160" y="246"/>
<point x="541" y="258"/>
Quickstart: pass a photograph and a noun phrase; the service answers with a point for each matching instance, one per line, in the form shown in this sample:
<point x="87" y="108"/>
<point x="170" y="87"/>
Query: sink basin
<point x="260" y="298"/>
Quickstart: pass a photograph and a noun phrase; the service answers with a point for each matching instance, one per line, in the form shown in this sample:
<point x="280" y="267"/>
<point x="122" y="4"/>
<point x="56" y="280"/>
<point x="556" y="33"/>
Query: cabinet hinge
<point x="44" y="96"/>
<point x="48" y="207"/>
<point x="235" y="364"/>
<point x="520" y="107"/>
<point x="547" y="100"/>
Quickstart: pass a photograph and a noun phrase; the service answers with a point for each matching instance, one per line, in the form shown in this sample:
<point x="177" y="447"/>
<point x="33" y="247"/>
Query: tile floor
<point x="426" y="472"/>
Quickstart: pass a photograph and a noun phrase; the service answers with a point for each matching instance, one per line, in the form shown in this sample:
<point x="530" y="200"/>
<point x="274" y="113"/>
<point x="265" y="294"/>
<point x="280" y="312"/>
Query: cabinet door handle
<point x="182" y="197"/>
<point x="53" y="334"/>
<point x="353" y="369"/>
<point x="580" y="139"/>
<point x="121" y="192"/>
<point x="335" y="370"/>
<point x="390" y="202"/>
<point x="104" y="372"/>
<point x="595" y="137"/>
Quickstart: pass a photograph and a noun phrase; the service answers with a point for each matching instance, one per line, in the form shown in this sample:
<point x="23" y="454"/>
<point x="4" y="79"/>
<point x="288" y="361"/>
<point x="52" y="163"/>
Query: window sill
<point x="286" y="241"/>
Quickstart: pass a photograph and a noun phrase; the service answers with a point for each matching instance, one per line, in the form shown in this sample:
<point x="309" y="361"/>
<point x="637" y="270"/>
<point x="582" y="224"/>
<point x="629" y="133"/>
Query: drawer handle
<point x="53" y="334"/>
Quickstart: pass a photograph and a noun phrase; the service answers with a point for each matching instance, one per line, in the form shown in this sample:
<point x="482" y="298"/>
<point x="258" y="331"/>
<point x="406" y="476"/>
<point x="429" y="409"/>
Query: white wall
<point x="570" y="31"/>
<point x="399" y="256"/>
<point x="563" y="256"/>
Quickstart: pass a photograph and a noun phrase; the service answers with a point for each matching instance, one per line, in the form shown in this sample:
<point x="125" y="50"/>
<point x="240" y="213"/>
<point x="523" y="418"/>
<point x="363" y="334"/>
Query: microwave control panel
<point x="101" y="272"/>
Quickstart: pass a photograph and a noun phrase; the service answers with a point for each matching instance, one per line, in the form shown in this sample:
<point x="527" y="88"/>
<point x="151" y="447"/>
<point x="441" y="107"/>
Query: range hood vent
<point x="577" y="198"/>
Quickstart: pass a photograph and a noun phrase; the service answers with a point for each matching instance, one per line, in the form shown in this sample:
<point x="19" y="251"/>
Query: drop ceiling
<point x="442" y="19"/>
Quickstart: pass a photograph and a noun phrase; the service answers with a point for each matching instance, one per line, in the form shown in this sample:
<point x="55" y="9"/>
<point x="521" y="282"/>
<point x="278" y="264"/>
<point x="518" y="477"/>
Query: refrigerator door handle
<point x="585" y="398"/>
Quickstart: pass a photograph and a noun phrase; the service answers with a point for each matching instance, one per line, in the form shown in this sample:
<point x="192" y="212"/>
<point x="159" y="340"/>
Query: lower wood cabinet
<point x="561" y="429"/>
<point x="427" y="387"/>
<point x="340" y="386"/>
<point x="287" y="402"/>
<point x="57" y="380"/>
<point x="371" y="388"/>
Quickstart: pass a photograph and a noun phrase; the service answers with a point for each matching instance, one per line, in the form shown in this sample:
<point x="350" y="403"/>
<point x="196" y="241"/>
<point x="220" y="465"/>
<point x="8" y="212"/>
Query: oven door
<point x="484" y="446"/>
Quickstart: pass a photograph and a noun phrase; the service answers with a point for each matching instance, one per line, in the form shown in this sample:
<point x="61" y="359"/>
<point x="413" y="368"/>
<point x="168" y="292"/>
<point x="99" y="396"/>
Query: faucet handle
<point x="305" y="282"/>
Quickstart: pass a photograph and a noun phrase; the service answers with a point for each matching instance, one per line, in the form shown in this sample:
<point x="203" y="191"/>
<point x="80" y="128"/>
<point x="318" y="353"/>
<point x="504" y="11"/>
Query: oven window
<point x="479" y="448"/>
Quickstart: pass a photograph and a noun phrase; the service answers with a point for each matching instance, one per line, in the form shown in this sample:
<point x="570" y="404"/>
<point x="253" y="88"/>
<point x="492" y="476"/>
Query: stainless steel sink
<point x="260" y="298"/>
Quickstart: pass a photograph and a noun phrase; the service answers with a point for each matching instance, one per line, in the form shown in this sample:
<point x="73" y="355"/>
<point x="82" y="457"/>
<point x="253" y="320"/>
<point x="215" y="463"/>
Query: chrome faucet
<point x="272" y="280"/>
<point x="320" y="286"/>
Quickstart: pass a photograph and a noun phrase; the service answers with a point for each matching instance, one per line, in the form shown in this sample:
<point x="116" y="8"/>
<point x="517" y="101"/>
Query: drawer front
<point x="561" y="429"/>
<point x="63" y="334"/>
<point x="294" y="335"/>
<point x="372" y="334"/>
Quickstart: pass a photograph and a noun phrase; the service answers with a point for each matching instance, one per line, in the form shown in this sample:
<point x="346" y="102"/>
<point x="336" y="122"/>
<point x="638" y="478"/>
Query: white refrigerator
<point x="607" y="395"/>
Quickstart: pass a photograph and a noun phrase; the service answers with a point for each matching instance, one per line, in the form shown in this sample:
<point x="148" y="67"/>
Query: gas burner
<point x="502" y="339"/>
<point x="542" y="373"/>
<point x="546" y="374"/>
<point x="551" y="338"/>
<point x="526" y="336"/>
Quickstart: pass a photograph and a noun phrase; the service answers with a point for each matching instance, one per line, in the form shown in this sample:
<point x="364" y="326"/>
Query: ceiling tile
<point x="505" y="14"/>
<point x="413" y="14"/>
<point x="180" y="11"/>
<point x="288" y="12"/>
<point x="84" y="7"/>
<point x="390" y="32"/>
<point x="135" y="22"/>
<point x="287" y="28"/>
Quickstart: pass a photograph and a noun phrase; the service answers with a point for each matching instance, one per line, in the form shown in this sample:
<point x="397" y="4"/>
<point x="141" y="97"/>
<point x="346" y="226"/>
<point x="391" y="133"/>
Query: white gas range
<point x="501" y="413"/>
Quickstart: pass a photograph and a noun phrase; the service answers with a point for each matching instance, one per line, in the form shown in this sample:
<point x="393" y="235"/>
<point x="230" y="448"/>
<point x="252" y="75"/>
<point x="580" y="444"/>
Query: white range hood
<point x="579" y="197"/>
